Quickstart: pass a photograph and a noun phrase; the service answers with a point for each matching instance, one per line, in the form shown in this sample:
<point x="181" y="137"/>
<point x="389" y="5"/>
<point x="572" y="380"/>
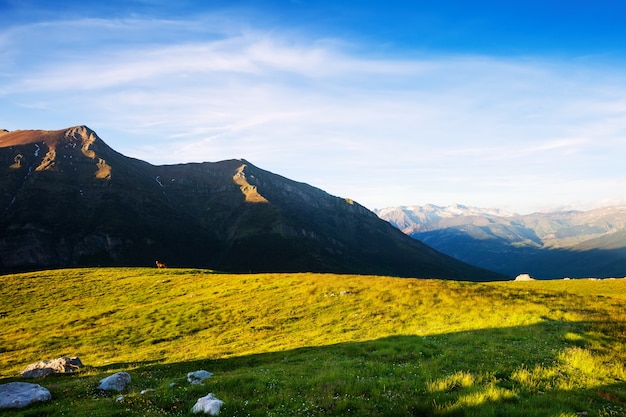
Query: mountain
<point x="547" y="245"/>
<point x="68" y="199"/>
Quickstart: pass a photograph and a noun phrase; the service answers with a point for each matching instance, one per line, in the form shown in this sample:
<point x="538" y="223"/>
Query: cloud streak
<point x="378" y="129"/>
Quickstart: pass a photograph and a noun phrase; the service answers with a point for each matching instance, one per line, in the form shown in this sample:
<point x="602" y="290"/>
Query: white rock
<point x="524" y="277"/>
<point x="208" y="405"/>
<point x="21" y="394"/>
<point x="196" y="377"/>
<point x="116" y="382"/>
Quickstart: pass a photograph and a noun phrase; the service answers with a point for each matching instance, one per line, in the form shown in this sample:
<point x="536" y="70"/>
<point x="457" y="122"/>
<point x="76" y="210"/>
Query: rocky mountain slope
<point x="68" y="199"/>
<point x="546" y="245"/>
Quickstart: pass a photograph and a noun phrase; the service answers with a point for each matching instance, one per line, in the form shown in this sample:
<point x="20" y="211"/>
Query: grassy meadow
<point x="317" y="344"/>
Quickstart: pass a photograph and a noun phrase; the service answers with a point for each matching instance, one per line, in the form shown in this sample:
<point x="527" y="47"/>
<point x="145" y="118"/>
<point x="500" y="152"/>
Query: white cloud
<point x="408" y="129"/>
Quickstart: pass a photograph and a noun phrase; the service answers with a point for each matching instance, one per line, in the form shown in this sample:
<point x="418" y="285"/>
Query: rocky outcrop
<point x="56" y="366"/>
<point x="22" y="394"/>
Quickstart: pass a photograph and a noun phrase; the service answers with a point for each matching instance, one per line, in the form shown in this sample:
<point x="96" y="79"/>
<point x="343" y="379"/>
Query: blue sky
<point x="519" y="105"/>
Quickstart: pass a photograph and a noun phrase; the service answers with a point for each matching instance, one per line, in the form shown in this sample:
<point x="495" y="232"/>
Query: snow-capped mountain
<point x="550" y="245"/>
<point x="412" y="219"/>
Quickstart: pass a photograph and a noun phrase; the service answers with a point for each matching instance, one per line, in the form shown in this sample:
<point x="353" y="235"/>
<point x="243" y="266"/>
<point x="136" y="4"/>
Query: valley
<point x="552" y="245"/>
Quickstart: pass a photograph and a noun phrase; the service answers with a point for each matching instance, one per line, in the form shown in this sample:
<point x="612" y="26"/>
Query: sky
<point x="517" y="105"/>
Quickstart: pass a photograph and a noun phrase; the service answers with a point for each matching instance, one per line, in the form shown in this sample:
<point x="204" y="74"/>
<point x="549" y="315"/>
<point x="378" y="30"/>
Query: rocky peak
<point x="51" y="138"/>
<point x="44" y="150"/>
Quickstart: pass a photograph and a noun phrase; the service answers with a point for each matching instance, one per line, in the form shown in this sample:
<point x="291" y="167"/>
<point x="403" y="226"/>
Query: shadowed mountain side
<point x="68" y="199"/>
<point x="75" y="201"/>
<point x="547" y="245"/>
<point x="516" y="371"/>
<point x="581" y="261"/>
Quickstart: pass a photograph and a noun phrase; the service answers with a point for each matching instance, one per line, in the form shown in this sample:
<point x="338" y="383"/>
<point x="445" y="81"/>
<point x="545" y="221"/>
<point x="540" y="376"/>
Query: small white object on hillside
<point x="524" y="277"/>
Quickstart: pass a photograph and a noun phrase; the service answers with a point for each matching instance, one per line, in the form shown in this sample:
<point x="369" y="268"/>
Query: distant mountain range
<point x="560" y="244"/>
<point x="68" y="199"/>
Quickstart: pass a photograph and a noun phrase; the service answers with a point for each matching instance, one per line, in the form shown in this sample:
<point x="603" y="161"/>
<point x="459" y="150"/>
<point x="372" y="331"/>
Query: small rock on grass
<point x="197" y="377"/>
<point x="208" y="405"/>
<point x="116" y="382"/>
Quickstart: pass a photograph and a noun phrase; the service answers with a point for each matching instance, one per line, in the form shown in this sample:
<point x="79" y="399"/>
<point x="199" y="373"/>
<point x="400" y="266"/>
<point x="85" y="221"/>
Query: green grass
<point x="318" y="344"/>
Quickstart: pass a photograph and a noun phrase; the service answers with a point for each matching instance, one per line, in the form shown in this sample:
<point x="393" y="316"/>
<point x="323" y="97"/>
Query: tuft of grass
<point x="452" y="382"/>
<point x="318" y="344"/>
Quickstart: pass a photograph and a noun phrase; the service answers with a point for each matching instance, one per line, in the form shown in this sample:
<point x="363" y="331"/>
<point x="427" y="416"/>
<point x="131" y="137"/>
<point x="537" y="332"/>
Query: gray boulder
<point x="21" y="394"/>
<point x="56" y="366"/>
<point x="116" y="382"/>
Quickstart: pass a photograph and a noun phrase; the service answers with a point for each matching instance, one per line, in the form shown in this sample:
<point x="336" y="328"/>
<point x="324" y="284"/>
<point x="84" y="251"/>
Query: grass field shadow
<point x="554" y="368"/>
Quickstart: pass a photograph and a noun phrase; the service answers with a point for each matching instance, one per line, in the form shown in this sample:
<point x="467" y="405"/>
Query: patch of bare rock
<point x="55" y="366"/>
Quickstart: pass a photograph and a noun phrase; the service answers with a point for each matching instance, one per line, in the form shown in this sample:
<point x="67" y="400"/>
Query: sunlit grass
<point x="319" y="344"/>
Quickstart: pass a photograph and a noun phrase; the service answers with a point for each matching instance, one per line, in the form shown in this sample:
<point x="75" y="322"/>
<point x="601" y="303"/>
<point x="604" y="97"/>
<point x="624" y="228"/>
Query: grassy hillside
<point x="318" y="344"/>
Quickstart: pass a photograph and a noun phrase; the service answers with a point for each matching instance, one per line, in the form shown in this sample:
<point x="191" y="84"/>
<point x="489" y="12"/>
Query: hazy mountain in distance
<point x="68" y="199"/>
<point x="546" y="245"/>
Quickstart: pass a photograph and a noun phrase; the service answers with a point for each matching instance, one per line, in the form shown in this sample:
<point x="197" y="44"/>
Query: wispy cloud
<point x="319" y="110"/>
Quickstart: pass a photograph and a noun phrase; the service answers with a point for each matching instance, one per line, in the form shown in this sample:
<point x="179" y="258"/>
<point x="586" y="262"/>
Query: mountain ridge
<point x="555" y="244"/>
<point x="70" y="200"/>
